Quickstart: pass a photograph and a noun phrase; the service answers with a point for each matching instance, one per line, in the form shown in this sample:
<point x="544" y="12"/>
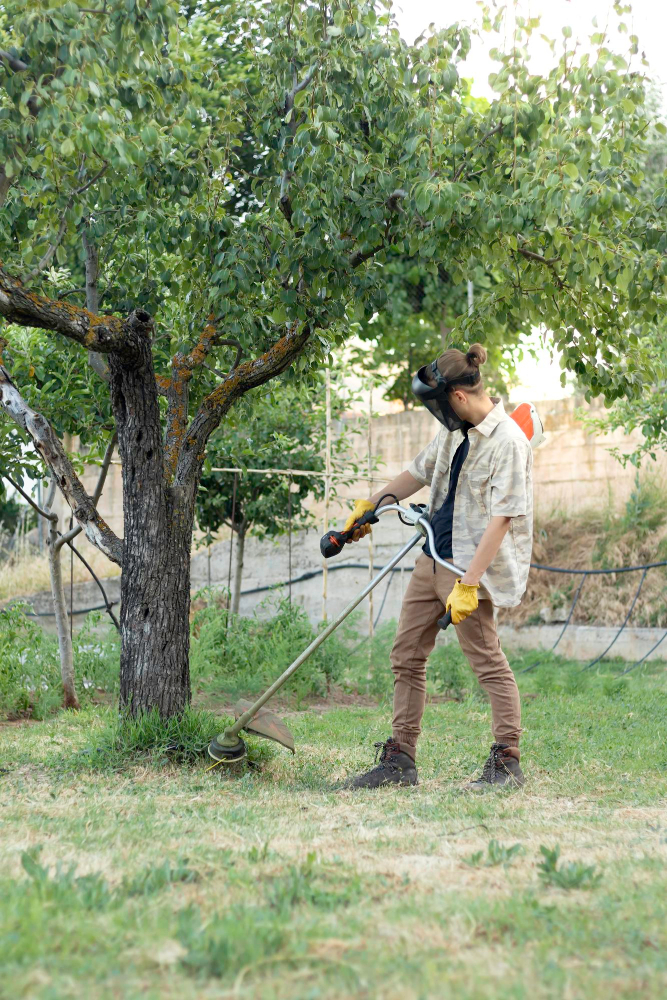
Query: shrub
<point x="30" y="684"/>
<point x="246" y="654"/>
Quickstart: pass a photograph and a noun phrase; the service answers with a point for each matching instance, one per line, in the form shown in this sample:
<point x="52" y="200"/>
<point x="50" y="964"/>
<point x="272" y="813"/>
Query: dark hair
<point x="454" y="364"/>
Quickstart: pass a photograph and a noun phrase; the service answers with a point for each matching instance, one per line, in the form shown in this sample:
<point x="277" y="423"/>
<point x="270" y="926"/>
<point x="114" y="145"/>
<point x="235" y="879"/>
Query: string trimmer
<point x="228" y="747"/>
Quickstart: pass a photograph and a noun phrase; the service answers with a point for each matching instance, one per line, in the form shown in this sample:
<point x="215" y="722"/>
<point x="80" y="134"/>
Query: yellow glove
<point x="462" y="601"/>
<point x="360" y="508"/>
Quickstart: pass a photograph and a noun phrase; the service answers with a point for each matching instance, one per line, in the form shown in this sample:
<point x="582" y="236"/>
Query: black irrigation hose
<point x="76" y="611"/>
<point x="562" y="633"/>
<point x="599" y="572"/>
<point x="551" y="569"/>
<point x="625" y="622"/>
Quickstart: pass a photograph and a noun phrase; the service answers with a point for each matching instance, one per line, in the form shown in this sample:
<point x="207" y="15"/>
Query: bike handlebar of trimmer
<point x="333" y="541"/>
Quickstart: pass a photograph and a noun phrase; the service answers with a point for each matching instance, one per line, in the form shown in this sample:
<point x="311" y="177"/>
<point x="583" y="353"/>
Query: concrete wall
<point x="572" y="470"/>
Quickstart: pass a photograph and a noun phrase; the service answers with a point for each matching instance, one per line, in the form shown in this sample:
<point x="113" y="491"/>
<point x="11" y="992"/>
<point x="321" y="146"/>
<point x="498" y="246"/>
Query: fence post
<point x="327" y="485"/>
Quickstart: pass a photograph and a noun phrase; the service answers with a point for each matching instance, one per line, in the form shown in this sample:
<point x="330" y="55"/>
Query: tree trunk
<point x="154" y="618"/>
<point x="238" y="568"/>
<point x="70" y="699"/>
<point x="158" y="521"/>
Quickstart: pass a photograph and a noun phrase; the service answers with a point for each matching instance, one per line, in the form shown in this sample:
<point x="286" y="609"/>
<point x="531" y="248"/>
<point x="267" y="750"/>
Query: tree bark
<point x="238" y="567"/>
<point x="96" y="361"/>
<point x="70" y="699"/>
<point x="155" y="584"/>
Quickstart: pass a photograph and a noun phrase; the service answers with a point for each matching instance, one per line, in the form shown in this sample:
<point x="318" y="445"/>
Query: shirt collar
<point x="492" y="419"/>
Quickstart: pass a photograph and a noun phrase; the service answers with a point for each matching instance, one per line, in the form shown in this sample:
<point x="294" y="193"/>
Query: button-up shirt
<point x="496" y="480"/>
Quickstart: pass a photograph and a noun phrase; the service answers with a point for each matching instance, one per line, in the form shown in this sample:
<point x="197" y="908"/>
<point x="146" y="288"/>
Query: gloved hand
<point x="462" y="601"/>
<point x="360" y="508"/>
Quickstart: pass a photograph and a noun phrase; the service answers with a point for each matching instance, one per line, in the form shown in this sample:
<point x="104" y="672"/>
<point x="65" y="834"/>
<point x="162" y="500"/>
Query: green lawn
<point x="152" y="880"/>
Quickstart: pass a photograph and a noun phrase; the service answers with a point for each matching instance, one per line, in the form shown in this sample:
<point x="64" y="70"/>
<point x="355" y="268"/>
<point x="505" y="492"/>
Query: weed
<point x="231" y="940"/>
<point x="156" y="877"/>
<point x="573" y="875"/>
<point x="63" y="887"/>
<point x="496" y="854"/>
<point x="309" y="884"/>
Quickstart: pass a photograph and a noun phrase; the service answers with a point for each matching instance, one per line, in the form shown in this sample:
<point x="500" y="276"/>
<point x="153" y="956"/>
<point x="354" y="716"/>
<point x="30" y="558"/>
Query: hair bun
<point x="476" y="355"/>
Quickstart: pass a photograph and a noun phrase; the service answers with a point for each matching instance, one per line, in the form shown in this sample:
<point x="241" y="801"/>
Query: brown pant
<point x="423" y="604"/>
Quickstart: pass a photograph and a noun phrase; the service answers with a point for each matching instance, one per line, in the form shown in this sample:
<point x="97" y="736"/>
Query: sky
<point x="648" y="20"/>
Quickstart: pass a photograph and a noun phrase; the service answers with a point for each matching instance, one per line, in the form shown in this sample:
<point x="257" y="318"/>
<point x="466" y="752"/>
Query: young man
<point x="479" y="469"/>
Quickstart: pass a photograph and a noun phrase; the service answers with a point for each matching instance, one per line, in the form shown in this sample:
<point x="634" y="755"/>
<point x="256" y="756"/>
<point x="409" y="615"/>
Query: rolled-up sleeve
<point x="424" y="464"/>
<point x="511" y="480"/>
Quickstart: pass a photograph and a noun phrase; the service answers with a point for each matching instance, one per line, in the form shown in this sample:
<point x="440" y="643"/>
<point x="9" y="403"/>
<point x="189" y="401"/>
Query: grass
<point x="134" y="876"/>
<point x="28" y="573"/>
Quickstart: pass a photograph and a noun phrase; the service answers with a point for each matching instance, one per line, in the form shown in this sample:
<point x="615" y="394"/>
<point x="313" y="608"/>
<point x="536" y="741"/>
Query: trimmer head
<point x="267" y="724"/>
<point x="227" y="754"/>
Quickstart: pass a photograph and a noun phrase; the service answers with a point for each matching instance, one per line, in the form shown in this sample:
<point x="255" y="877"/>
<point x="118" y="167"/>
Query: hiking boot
<point x="393" y="768"/>
<point x="500" y="770"/>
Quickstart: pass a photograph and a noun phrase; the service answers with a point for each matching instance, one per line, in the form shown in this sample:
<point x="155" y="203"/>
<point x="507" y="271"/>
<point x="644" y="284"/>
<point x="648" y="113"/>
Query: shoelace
<point x="387" y="748"/>
<point x="493" y="763"/>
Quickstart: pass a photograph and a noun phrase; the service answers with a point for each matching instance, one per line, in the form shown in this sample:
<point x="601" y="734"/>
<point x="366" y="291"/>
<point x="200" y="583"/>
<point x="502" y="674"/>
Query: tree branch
<point x="284" y="202"/>
<point x="15" y="64"/>
<point x="240" y="380"/>
<point x="464" y="163"/>
<point x="177" y="390"/>
<point x="105" y="334"/>
<point x="95" y="360"/>
<point x="549" y="262"/>
<point x="107" y="602"/>
<point x="52" y="452"/>
<point x="47" y="514"/>
<point x="101" y="479"/>
<point x="48" y="256"/>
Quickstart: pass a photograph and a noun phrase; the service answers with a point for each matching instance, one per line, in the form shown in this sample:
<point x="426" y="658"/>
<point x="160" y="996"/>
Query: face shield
<point x="435" y="397"/>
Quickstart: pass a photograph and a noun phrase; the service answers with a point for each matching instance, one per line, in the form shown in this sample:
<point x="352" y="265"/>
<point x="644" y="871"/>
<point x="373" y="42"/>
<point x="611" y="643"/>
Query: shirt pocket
<point x="479" y="489"/>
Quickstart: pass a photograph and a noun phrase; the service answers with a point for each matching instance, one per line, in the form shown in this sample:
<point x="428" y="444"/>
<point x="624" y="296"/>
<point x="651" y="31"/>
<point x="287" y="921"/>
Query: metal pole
<point x="471" y="298"/>
<point x="40" y="526"/>
<point x="327" y="486"/>
<point x="231" y="546"/>
<point x="370" y="535"/>
<point x="277" y="684"/>
<point x="289" y="535"/>
<point x="71" y="582"/>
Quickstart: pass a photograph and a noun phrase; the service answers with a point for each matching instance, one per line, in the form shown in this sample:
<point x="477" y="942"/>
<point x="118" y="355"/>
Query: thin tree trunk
<point x="70" y="699"/>
<point x="96" y="361"/>
<point x="238" y="567"/>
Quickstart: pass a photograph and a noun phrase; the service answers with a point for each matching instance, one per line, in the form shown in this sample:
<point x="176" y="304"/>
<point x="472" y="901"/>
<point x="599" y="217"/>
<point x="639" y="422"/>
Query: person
<point x="479" y="469"/>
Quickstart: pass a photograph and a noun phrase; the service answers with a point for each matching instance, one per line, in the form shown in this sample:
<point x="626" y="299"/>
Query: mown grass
<point x="133" y="875"/>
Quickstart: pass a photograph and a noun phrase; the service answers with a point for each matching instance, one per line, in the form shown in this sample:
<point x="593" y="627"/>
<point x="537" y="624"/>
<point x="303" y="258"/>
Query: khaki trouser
<point x="423" y="604"/>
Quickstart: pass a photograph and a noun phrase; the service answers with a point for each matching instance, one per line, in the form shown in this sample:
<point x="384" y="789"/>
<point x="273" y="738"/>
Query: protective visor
<point x="436" y="397"/>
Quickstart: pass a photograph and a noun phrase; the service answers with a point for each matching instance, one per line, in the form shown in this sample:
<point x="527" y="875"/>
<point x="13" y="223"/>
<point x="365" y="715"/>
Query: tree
<point x="111" y="152"/>
<point x="648" y="412"/>
<point x="419" y="326"/>
<point x="282" y="432"/>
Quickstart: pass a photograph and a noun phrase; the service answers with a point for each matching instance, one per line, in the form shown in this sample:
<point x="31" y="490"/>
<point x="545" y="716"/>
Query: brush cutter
<point x="228" y="747"/>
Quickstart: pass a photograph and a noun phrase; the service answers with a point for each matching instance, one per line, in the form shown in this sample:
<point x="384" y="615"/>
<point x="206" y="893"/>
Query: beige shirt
<point x="496" y="479"/>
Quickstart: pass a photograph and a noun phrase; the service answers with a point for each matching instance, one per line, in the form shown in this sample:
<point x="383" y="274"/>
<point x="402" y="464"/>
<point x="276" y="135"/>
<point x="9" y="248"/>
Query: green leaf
<point x="571" y="170"/>
<point x="67" y="147"/>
